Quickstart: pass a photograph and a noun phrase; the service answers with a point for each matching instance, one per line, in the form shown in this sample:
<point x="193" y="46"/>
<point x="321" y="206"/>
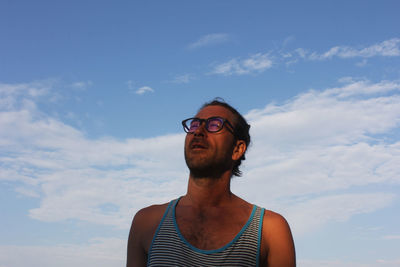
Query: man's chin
<point x="204" y="175"/>
<point x="198" y="162"/>
<point x="211" y="172"/>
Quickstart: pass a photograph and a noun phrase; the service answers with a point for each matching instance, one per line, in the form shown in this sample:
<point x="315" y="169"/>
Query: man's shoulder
<point x="150" y="215"/>
<point x="273" y="217"/>
<point x="277" y="247"/>
<point x="144" y="225"/>
<point x="274" y="224"/>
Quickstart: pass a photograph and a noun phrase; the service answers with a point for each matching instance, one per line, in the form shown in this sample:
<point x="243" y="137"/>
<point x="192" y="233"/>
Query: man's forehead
<point x="211" y="111"/>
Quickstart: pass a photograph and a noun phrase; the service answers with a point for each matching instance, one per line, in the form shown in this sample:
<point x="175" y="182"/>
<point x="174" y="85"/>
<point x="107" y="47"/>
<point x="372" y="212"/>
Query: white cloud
<point x="130" y="84"/>
<point x="322" y="142"/>
<point x="362" y="63"/>
<point x="391" y="237"/>
<point x="210" y="39"/>
<point x="69" y="172"/>
<point x="185" y="78"/>
<point x="98" y="252"/>
<point x="363" y="87"/>
<point x="82" y="85"/>
<point x="388" y="263"/>
<point x="253" y="64"/>
<point x="304" y="153"/>
<point x="262" y="61"/>
<point x="288" y="40"/>
<point x="388" y="48"/>
<point x="301" y="52"/>
<point x="144" y="89"/>
<point x="308" y="215"/>
<point x="23" y="94"/>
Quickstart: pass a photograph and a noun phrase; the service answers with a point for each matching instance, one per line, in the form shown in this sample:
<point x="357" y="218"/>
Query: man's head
<point x="219" y="147"/>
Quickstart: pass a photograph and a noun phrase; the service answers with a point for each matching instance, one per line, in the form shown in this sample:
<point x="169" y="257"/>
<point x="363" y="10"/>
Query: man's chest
<point x="209" y="230"/>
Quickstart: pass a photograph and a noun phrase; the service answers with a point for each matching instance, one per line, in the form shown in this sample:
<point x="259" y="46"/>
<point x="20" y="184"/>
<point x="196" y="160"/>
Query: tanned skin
<point x="209" y="216"/>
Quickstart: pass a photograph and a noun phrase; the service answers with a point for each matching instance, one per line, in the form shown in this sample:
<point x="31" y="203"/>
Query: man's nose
<point x="201" y="130"/>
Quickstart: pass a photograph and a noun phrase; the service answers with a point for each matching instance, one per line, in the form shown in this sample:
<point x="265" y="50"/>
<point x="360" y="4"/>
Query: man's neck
<point x="209" y="192"/>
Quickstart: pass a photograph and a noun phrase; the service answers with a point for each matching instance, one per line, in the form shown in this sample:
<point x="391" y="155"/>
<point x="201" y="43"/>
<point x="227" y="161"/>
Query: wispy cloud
<point x="317" y="212"/>
<point x="144" y="89"/>
<point x="253" y="64"/>
<point x="100" y="252"/>
<point x="388" y="48"/>
<point x="30" y="92"/>
<point x="209" y="39"/>
<point x="186" y="78"/>
<point x="82" y="85"/>
<point x="130" y="84"/>
<point x="391" y="237"/>
<point x="260" y="62"/>
<point x="139" y="91"/>
<point x="362" y="63"/>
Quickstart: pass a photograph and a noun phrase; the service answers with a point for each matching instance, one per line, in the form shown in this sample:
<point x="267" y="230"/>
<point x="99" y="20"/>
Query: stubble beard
<point x="203" y="166"/>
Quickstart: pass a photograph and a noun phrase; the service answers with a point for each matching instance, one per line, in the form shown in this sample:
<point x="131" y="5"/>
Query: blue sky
<point x="92" y="94"/>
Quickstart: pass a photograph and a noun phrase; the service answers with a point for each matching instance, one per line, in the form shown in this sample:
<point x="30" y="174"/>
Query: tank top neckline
<point x="205" y="251"/>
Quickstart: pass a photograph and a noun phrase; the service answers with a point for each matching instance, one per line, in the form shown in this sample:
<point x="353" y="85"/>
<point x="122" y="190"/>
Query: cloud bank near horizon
<point x="319" y="143"/>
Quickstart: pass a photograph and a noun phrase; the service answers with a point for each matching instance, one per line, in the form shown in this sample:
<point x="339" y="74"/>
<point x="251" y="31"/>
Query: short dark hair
<point x="240" y="128"/>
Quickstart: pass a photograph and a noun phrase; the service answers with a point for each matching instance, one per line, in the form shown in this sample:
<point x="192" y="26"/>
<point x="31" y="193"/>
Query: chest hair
<point x="210" y="229"/>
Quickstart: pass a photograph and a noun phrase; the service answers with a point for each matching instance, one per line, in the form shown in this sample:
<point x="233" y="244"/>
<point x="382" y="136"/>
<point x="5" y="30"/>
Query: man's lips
<point x="198" y="145"/>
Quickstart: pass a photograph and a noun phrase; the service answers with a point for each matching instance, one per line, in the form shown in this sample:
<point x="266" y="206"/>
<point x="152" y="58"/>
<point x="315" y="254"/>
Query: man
<point x="210" y="226"/>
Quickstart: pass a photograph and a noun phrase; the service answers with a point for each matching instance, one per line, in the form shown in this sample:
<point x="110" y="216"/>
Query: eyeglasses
<point x="213" y="124"/>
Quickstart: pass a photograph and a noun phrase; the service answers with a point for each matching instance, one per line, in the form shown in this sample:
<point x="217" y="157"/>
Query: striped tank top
<point x="169" y="247"/>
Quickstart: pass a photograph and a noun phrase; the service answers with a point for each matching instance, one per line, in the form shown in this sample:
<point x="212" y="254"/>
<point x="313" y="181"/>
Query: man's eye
<point x="194" y="125"/>
<point x="214" y="125"/>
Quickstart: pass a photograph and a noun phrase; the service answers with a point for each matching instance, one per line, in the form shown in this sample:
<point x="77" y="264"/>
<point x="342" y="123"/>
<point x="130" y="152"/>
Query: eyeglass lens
<point x="212" y="124"/>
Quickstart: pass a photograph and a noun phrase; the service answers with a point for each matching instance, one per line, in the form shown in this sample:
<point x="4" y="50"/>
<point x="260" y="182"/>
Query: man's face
<point x="209" y="154"/>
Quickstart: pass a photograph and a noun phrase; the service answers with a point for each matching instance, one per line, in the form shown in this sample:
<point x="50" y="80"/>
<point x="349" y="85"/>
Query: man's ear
<point x="239" y="149"/>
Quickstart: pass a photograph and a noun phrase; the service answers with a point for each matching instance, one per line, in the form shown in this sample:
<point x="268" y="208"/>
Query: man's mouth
<point x="198" y="146"/>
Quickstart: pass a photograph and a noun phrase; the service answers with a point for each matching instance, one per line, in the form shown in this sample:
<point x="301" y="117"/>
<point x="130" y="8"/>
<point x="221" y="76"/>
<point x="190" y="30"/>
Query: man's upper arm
<point x="278" y="241"/>
<point x="136" y="254"/>
<point x="143" y="227"/>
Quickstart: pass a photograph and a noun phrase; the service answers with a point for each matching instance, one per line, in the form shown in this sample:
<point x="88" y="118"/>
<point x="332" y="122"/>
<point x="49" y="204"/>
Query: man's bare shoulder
<point x="143" y="227"/>
<point x="274" y="218"/>
<point x="278" y="245"/>
<point x="149" y="216"/>
<point x="275" y="227"/>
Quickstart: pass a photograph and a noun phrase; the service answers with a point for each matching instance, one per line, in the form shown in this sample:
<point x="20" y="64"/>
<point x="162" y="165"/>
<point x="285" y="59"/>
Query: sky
<point x="92" y="95"/>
